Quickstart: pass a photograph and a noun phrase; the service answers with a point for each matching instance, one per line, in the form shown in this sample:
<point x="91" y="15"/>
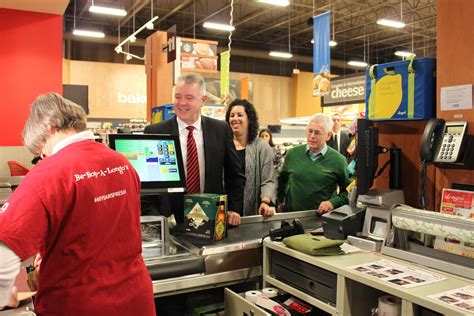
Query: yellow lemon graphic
<point x="388" y="96"/>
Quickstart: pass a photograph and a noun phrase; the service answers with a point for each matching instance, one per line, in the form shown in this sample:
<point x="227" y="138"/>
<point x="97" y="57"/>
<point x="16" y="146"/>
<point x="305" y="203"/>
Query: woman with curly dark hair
<point x="256" y="158"/>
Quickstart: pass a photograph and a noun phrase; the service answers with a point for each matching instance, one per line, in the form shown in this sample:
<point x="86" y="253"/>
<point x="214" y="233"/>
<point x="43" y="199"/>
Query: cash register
<point x="343" y="221"/>
<point x="377" y="220"/>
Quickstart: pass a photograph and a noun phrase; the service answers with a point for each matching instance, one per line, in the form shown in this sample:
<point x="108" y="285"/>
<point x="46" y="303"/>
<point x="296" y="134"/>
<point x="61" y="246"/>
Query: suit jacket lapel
<point x="330" y="141"/>
<point x="205" y="132"/>
<point x="344" y="138"/>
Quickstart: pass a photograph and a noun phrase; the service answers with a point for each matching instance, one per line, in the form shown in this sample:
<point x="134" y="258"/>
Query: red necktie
<point x="192" y="180"/>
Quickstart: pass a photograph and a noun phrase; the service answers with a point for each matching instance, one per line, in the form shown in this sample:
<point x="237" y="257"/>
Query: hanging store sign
<point x="346" y="90"/>
<point x="225" y="70"/>
<point x="171" y="43"/>
<point x="321" y="54"/>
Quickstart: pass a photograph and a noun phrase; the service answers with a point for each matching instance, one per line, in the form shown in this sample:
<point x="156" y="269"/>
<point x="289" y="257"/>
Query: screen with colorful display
<point x="156" y="158"/>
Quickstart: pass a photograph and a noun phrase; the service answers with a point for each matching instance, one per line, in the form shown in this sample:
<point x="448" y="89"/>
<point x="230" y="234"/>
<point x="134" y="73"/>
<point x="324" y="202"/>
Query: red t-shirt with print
<point x="80" y="208"/>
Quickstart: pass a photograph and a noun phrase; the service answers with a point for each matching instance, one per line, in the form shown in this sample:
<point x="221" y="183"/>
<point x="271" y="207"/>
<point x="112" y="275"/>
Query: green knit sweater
<point x="303" y="184"/>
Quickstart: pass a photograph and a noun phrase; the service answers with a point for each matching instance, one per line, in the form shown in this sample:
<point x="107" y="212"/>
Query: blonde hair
<point x="53" y="110"/>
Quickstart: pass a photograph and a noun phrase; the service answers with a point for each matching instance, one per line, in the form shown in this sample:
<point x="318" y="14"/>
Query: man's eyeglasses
<point x="314" y="132"/>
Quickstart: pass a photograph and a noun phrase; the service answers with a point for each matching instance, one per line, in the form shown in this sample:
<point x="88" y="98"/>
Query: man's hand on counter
<point x="233" y="218"/>
<point x="324" y="207"/>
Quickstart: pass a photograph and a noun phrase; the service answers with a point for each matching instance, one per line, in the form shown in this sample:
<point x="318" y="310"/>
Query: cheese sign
<point x="346" y="90"/>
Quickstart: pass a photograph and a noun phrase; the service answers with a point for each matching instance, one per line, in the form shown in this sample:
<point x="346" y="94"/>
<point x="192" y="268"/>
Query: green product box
<point x="205" y="216"/>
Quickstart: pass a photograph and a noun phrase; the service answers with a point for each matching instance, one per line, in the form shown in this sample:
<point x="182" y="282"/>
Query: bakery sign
<point x="346" y="90"/>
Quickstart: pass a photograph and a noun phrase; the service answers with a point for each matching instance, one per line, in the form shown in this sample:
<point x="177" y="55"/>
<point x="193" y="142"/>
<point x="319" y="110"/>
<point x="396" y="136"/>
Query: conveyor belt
<point x="192" y="264"/>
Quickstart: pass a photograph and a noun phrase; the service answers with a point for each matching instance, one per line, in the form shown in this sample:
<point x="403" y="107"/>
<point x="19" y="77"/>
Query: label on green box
<point x="205" y="216"/>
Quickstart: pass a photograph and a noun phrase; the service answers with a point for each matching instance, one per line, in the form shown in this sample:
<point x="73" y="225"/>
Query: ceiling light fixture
<point x="106" y="10"/>
<point x="391" y="23"/>
<point x="130" y="55"/>
<point x="361" y="63"/>
<point x="404" y="54"/>
<point x="284" y="54"/>
<point x="280" y="3"/>
<point x="333" y="43"/>
<point x="218" y="26"/>
<point x="408" y="54"/>
<point x="118" y="48"/>
<point x="357" y="63"/>
<point x="88" y="33"/>
<point x="149" y="26"/>
<point x="280" y="54"/>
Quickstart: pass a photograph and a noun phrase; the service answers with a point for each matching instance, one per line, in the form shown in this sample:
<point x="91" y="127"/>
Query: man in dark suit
<point x="219" y="167"/>
<point x="340" y="138"/>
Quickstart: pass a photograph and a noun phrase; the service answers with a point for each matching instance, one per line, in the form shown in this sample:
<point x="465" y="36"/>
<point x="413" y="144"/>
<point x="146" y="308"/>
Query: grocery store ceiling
<point x="265" y="27"/>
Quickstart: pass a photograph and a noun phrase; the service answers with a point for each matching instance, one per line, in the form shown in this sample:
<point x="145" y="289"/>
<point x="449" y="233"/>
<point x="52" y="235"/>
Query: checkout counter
<point x="185" y="265"/>
<point x="182" y="265"/>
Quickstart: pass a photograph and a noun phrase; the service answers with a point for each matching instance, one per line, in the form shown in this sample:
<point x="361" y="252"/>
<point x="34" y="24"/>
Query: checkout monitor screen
<point x="156" y="158"/>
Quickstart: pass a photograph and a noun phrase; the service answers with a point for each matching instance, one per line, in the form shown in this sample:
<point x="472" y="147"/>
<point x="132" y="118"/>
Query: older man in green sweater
<point x="311" y="173"/>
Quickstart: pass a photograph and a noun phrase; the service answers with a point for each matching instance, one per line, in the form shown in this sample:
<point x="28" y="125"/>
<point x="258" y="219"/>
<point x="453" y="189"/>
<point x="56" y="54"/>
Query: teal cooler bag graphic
<point x="401" y="90"/>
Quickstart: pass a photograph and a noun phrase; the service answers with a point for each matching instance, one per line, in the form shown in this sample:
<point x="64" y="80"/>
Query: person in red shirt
<point x="79" y="208"/>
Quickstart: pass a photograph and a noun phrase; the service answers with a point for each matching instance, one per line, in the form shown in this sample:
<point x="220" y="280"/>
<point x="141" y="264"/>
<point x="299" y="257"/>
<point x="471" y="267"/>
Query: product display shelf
<point x="357" y="292"/>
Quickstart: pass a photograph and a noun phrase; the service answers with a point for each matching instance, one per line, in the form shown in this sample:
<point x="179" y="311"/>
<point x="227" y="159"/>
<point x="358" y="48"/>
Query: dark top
<point x="241" y="154"/>
<point x="344" y="142"/>
<point x="223" y="171"/>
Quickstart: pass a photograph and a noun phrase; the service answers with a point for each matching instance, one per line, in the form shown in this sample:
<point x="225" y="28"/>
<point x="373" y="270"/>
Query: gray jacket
<point x="259" y="174"/>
